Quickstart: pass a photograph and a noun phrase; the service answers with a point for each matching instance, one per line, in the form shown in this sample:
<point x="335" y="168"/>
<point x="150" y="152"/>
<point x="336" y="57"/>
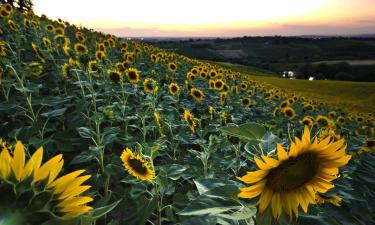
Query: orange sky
<point x="215" y="17"/>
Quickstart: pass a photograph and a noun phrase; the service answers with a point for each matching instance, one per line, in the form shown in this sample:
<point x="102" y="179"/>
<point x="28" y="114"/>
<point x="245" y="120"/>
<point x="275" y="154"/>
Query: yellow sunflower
<point x="60" y="31"/>
<point x="172" y="67"/>
<point x="307" y="121"/>
<point x="289" y="113"/>
<point x="174" y="88"/>
<point x="80" y="48"/>
<point x="136" y="165"/>
<point x="133" y="75"/>
<point x="114" y="76"/>
<point x="219" y="84"/>
<point x="246" y="102"/>
<point x="223" y="97"/>
<point x="13" y="25"/>
<point x="2" y="49"/>
<point x="188" y="117"/>
<point x="211" y="110"/>
<point x="62" y="196"/>
<point x="100" y="55"/>
<point x="197" y="94"/>
<point x="297" y="176"/>
<point x="150" y="86"/>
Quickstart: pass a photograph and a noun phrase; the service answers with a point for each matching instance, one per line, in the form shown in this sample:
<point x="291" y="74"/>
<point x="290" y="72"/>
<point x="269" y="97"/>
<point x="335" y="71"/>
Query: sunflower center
<point x="293" y="173"/>
<point x="174" y="89"/>
<point x="197" y="94"/>
<point x="132" y="75"/>
<point x="137" y="166"/>
<point x="289" y="113"/>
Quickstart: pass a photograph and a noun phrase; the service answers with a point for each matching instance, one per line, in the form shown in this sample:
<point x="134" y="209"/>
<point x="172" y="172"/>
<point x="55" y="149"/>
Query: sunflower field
<point x="95" y="129"/>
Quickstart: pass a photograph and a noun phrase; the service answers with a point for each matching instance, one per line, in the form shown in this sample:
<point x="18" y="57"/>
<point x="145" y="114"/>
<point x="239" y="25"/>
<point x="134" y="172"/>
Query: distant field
<point x="350" y="62"/>
<point x="351" y="96"/>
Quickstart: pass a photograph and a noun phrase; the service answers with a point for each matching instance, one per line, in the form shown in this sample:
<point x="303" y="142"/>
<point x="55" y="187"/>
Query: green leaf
<point x="97" y="213"/>
<point x="54" y="113"/>
<point x="85" y="132"/>
<point x="246" y="132"/>
<point x="175" y="171"/>
<point x="215" y="201"/>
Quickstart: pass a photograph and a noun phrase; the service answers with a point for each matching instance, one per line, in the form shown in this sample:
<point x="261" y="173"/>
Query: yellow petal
<point x="281" y="153"/>
<point x="276" y="205"/>
<point x="5" y="162"/>
<point x="54" y="172"/>
<point x="78" y="211"/>
<point x="61" y="184"/>
<point x="253" y="177"/>
<point x="43" y="172"/>
<point x="253" y="190"/>
<point x="265" y="199"/>
<point x="18" y="162"/>
<point x="306" y="136"/>
<point x="34" y="163"/>
<point x="261" y="164"/>
<point x="270" y="161"/>
<point x="75" y="201"/>
<point x="77" y="191"/>
<point x="73" y="185"/>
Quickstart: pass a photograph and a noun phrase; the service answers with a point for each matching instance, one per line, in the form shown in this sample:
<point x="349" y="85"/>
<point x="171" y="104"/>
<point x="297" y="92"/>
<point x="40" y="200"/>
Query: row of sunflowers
<point x="96" y="129"/>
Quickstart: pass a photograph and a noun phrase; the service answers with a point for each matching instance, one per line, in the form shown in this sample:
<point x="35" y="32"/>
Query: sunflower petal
<point x="18" y="162"/>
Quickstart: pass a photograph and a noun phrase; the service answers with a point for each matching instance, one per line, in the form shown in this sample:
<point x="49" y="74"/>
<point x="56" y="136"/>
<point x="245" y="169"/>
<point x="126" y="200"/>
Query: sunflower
<point x="190" y="76"/>
<point x="219" y="84"/>
<point x="2" y="49"/>
<point x="133" y="75"/>
<point x="246" y="102"/>
<point x="35" y="68"/>
<point x="340" y="120"/>
<point x="203" y="74"/>
<point x="60" y="31"/>
<point x="37" y="52"/>
<point x="225" y="118"/>
<point x="114" y="76"/>
<point x="174" y="88"/>
<point x="197" y="94"/>
<point x="50" y="28"/>
<point x="13" y="25"/>
<point x="284" y="104"/>
<point x="47" y="43"/>
<point x="323" y="121"/>
<point x="289" y="113"/>
<point x="4" y="13"/>
<point x="172" y="67"/>
<point x="211" y="110"/>
<point x="61" y="196"/>
<point x="26" y="23"/>
<point x="66" y="70"/>
<point x="308" y="107"/>
<point x="307" y="121"/>
<point x="93" y="67"/>
<point x="80" y="37"/>
<point x="213" y="73"/>
<point x="80" y="49"/>
<point x="211" y="84"/>
<point x="223" y="97"/>
<point x="275" y="111"/>
<point x="100" y="55"/>
<point x="150" y="86"/>
<point x="188" y="117"/>
<point x="328" y="132"/>
<point x="332" y="114"/>
<point x="136" y="165"/>
<point x="297" y="176"/>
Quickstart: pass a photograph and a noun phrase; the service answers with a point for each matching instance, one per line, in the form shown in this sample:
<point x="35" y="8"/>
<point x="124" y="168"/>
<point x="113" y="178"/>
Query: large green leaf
<point x="246" y="132"/>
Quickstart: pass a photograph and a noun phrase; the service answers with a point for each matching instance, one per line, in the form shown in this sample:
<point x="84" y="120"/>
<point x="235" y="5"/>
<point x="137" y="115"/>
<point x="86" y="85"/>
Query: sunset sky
<point x="213" y="18"/>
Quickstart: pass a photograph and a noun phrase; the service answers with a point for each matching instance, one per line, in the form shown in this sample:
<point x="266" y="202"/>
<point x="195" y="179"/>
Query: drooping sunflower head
<point x="188" y="117"/>
<point x="114" y="76"/>
<point x="80" y="37"/>
<point x="35" y="68"/>
<point x="67" y="70"/>
<point x="2" y="49"/>
<point x="133" y="75"/>
<point x="297" y="176"/>
<point x="332" y="114"/>
<point x="211" y="110"/>
<point x="246" y="102"/>
<point x="13" y="26"/>
<point x="324" y="122"/>
<point x="40" y="187"/>
<point x="197" y="94"/>
<point x="174" y="88"/>
<point x="284" y="104"/>
<point x="340" y="120"/>
<point x="289" y="113"/>
<point x="137" y="166"/>
<point x="47" y="42"/>
<point x="59" y="30"/>
<point x="150" y="86"/>
<point x="80" y="49"/>
<point x="223" y="97"/>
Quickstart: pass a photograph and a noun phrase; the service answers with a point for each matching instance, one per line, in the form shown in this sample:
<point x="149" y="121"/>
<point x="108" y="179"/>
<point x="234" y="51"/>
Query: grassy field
<point x="351" y="96"/>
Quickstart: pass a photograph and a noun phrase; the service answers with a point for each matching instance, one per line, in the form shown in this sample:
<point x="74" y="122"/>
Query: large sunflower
<point x="150" y="86"/>
<point x="297" y="176"/>
<point x="136" y="165"/>
<point x="34" y="180"/>
<point x="188" y="117"/>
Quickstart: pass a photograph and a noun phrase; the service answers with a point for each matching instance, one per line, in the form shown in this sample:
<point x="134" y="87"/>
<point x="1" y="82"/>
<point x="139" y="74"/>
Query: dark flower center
<point x="132" y="75"/>
<point x="174" y="89"/>
<point x="293" y="173"/>
<point x="137" y="166"/>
